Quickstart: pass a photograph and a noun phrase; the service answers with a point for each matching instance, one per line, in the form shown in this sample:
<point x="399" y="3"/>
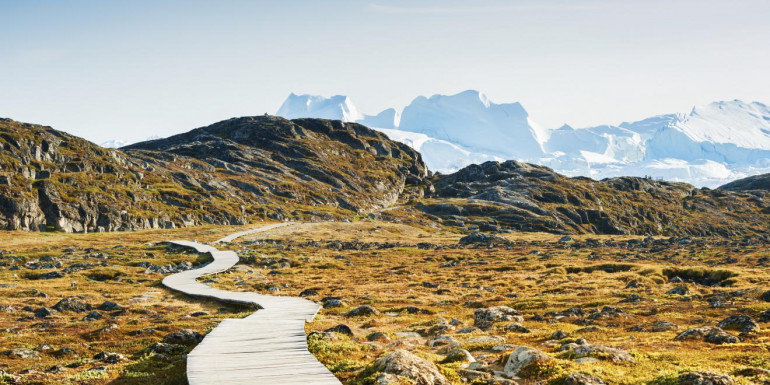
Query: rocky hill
<point x="526" y="197"/>
<point x="226" y="173"/>
<point x="755" y="183"/>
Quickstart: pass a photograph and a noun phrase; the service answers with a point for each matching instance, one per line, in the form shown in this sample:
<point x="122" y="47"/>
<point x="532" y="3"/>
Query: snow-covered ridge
<point x="708" y="146"/>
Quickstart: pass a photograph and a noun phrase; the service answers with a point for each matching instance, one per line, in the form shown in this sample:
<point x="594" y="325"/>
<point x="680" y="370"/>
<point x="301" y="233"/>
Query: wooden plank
<point x="268" y="347"/>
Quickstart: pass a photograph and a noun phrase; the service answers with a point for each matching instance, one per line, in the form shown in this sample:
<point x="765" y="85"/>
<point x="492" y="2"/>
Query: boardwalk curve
<point x="268" y="347"/>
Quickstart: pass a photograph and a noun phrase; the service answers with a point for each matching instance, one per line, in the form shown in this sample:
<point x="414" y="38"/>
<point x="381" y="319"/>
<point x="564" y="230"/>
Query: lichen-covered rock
<point x="486" y="317"/>
<point x="401" y="363"/>
<point x="711" y="334"/>
<point x="523" y="357"/>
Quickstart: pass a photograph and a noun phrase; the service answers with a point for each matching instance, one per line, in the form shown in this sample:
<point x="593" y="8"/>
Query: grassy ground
<point x="537" y="275"/>
<point x="392" y="267"/>
<point x="151" y="311"/>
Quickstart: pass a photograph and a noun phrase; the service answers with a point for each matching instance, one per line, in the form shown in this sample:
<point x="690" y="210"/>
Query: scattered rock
<point x="183" y="337"/>
<point x="73" y="304"/>
<point x="363" y="310"/>
<point x="711" y="334"/>
<point x="484" y="318"/>
<point x="342" y="329"/>
<point x="655" y="327"/>
<point x="43" y="312"/>
<point x="559" y="335"/>
<point x="516" y="327"/>
<point x="705" y="378"/>
<point x="483" y="238"/>
<point x="583" y="349"/>
<point x="459" y="355"/>
<point x="523" y="357"/>
<point x="110" y="358"/>
<point x="679" y="290"/>
<point x="576" y="378"/>
<point x="92" y="316"/>
<point x="24" y="354"/>
<point x="378" y="336"/>
<point x="110" y="306"/>
<point x="741" y="323"/>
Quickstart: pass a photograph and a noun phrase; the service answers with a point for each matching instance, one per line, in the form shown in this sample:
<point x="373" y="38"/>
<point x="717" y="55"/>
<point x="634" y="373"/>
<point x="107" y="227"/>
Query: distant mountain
<point x="241" y="169"/>
<point x="337" y="107"/>
<point x="114" y="143"/>
<point x="708" y="146"/>
<point x="471" y="120"/>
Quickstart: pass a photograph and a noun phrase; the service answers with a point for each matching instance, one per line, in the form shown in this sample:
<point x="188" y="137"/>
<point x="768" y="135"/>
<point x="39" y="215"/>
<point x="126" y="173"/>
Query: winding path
<point x="268" y="347"/>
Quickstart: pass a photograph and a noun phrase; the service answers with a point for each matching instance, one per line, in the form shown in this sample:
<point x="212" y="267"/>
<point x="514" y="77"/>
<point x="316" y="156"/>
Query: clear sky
<point x="130" y="69"/>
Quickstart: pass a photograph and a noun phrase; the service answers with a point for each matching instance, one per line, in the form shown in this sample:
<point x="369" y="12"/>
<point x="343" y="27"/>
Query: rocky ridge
<point x="226" y="173"/>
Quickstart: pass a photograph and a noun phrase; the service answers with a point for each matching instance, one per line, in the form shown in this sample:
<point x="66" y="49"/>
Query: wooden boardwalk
<point x="268" y="347"/>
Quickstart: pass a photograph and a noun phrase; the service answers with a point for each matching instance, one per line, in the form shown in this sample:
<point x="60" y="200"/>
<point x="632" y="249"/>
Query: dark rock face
<point x="524" y="197"/>
<point x="225" y="173"/>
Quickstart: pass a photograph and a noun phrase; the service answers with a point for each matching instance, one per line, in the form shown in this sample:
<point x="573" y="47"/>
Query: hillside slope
<point x="755" y="182"/>
<point x="526" y="197"/>
<point x="226" y="173"/>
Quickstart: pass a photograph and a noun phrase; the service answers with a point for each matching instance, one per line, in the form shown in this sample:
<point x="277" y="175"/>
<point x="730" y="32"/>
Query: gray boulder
<point x="486" y="317"/>
<point x="401" y="363"/>
<point x="522" y="357"/>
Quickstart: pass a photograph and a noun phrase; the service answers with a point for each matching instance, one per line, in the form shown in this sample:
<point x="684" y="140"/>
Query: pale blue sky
<point x="130" y="69"/>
